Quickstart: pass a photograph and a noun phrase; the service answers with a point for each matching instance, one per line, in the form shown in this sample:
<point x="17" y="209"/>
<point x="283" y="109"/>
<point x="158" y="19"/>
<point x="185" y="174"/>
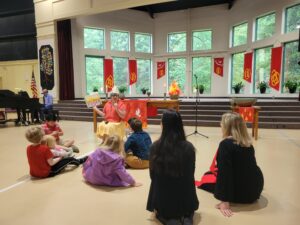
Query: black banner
<point x="46" y="67"/>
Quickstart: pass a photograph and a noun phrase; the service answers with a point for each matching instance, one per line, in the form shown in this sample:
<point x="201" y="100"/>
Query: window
<point x="177" y="72"/>
<point x="143" y="43"/>
<point x="291" y="69"/>
<point x="265" y="27"/>
<point x="93" y="38"/>
<point x="119" y="41"/>
<point x="94" y="73"/>
<point x="177" y="42"/>
<point x="120" y="72"/>
<point x="202" y="40"/>
<point x="262" y="61"/>
<point x="292" y="18"/>
<point x="144" y="75"/>
<point x="239" y="34"/>
<point x="202" y="69"/>
<point x="237" y="70"/>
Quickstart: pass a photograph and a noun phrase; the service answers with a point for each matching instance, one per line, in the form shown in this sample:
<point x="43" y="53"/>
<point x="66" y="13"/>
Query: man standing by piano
<point x="48" y="104"/>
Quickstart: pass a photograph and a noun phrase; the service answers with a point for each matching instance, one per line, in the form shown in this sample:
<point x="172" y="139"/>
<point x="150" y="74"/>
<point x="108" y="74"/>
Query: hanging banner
<point x="248" y="66"/>
<point x="275" y="71"/>
<point x="218" y="66"/>
<point x="46" y="67"/>
<point x="132" y="71"/>
<point x="161" y="69"/>
<point x="108" y="75"/>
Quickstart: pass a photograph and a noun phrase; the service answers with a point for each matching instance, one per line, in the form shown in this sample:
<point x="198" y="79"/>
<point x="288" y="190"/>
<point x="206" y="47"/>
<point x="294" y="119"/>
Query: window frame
<point x="232" y="34"/>
<point x="211" y="40"/>
<point x="285" y="18"/>
<point x="120" y="31"/>
<point x="256" y="26"/>
<point x="180" y="32"/>
<point x="231" y="71"/>
<point x="99" y="57"/>
<point x="211" y="72"/>
<point x="151" y="42"/>
<point x="104" y="37"/>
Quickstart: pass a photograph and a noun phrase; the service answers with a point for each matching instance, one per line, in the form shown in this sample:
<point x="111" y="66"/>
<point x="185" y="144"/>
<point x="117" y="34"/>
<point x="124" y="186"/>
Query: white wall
<point x="218" y="18"/>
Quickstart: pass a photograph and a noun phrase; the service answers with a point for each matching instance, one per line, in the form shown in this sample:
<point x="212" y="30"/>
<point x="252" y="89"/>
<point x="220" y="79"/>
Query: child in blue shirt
<point x="137" y="146"/>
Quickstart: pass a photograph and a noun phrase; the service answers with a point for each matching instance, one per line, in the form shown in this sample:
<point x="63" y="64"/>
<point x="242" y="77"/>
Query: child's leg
<point x="136" y="163"/>
<point x="58" y="167"/>
<point x="68" y="143"/>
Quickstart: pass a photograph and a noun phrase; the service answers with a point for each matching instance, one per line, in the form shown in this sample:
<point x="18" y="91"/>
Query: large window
<point x="119" y="41"/>
<point x="177" y="72"/>
<point x="239" y="34"/>
<point x="94" y="73"/>
<point x="262" y="61"/>
<point x="291" y="69"/>
<point x="292" y="18"/>
<point x="265" y="26"/>
<point x="201" y="69"/>
<point x="93" y="38"/>
<point x="120" y="72"/>
<point x="177" y="42"/>
<point x="237" y="70"/>
<point x="143" y="43"/>
<point x="201" y="40"/>
<point x="144" y="75"/>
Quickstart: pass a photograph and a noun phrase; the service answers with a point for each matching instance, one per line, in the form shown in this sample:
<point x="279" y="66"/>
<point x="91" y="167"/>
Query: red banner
<point x="248" y="66"/>
<point x="161" y="69"/>
<point x="218" y="66"/>
<point x="132" y="71"/>
<point x="108" y="74"/>
<point x="247" y="113"/>
<point x="137" y="109"/>
<point x="275" y="70"/>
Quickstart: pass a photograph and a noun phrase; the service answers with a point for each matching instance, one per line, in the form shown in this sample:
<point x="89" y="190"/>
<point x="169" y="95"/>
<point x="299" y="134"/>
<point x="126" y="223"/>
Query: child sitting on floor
<point x="57" y="150"/>
<point x="105" y="166"/>
<point x="51" y="127"/>
<point x="137" y="146"/>
<point x="42" y="162"/>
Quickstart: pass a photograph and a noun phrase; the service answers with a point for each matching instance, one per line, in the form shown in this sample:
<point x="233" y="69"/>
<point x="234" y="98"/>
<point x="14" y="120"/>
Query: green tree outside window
<point x="262" y="65"/>
<point x="239" y="34"/>
<point x="237" y="70"/>
<point x="265" y="27"/>
<point x="119" y="41"/>
<point x="143" y="43"/>
<point x="120" y="65"/>
<point x="94" y="73"/>
<point x="202" y="67"/>
<point x="177" y="42"/>
<point x="93" y="38"/>
<point x="202" y="40"/>
<point x="144" y="75"/>
<point x="292" y="18"/>
<point x="177" y="72"/>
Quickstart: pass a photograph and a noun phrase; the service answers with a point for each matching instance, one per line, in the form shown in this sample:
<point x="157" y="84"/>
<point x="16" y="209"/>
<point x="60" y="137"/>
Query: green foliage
<point x="95" y="89"/>
<point x="177" y="71"/>
<point x="93" y="38"/>
<point x="122" y="89"/>
<point x="144" y="75"/>
<point x="262" y="66"/>
<point x="144" y="90"/>
<point x="177" y="42"/>
<point x="202" y="68"/>
<point x="262" y="84"/>
<point x="143" y="43"/>
<point x="202" y="40"/>
<point x="240" y="34"/>
<point x="200" y="88"/>
<point x="265" y="26"/>
<point x="237" y="70"/>
<point x="238" y="86"/>
<point x="292" y="18"/>
<point x="120" y="71"/>
<point x="119" y="41"/>
<point x="291" y="84"/>
<point x="94" y="73"/>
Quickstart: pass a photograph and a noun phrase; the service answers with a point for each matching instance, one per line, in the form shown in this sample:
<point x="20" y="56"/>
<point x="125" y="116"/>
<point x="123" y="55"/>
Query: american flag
<point x="33" y="86"/>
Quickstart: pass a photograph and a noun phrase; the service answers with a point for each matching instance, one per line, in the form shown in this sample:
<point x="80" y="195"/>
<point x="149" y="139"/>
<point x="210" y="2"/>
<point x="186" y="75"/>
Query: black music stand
<point x="197" y="101"/>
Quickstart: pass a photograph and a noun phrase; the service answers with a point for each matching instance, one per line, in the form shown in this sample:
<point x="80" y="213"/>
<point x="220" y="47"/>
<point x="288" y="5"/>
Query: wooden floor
<point x="67" y="200"/>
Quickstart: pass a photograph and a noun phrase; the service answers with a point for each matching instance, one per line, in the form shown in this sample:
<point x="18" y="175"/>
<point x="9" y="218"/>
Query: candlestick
<point x="165" y="96"/>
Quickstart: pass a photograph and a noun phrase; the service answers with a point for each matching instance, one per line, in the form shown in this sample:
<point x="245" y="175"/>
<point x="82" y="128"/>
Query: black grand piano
<point x="22" y="103"/>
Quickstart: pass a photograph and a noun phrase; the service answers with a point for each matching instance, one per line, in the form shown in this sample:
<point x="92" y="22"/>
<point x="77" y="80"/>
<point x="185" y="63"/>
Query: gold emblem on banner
<point x="133" y="76"/>
<point x="218" y="70"/>
<point x="274" y="77"/>
<point x="247" y="74"/>
<point x="109" y="81"/>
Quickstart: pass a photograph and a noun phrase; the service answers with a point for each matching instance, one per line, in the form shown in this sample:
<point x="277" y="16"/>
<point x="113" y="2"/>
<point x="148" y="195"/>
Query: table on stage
<point x="164" y="104"/>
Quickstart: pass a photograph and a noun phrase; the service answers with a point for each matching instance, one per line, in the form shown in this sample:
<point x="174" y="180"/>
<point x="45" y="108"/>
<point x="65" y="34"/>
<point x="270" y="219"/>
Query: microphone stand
<point x="197" y="100"/>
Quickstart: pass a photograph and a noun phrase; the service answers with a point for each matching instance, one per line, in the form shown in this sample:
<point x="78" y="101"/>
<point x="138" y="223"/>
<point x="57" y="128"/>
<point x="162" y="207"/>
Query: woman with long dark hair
<point x="172" y="194"/>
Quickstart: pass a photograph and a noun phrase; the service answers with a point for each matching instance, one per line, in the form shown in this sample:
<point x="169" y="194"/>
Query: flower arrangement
<point x="174" y="89"/>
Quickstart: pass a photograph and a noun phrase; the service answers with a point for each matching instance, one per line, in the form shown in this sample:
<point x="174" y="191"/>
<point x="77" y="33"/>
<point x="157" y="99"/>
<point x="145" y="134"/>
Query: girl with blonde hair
<point x="239" y="179"/>
<point x="106" y="166"/>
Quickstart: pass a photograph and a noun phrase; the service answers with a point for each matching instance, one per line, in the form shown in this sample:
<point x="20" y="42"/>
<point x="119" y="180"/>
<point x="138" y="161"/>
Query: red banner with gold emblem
<point x="161" y="69"/>
<point x="275" y="70"/>
<point x="218" y="66"/>
<point x="132" y="71"/>
<point x="247" y="113"/>
<point x="248" y="66"/>
<point x="108" y="74"/>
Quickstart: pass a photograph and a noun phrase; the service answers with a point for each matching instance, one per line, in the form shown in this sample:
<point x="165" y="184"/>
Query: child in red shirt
<point x="51" y="127"/>
<point x="41" y="160"/>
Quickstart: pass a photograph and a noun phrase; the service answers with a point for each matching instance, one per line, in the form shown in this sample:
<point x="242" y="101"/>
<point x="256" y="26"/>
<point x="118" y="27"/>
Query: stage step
<point x="284" y="114"/>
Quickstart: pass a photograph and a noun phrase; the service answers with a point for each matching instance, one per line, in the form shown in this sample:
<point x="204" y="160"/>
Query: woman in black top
<point x="239" y="179"/>
<point x="172" y="192"/>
